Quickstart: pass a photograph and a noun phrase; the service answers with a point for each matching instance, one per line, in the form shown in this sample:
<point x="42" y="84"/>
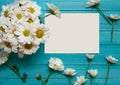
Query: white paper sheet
<point x="73" y="33"/>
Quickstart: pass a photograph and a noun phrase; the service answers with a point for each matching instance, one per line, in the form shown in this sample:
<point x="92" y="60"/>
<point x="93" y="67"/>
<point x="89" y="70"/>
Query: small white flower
<point x="92" y="3"/>
<point x="25" y="33"/>
<point x="4" y="25"/>
<point x="56" y="64"/>
<point x="70" y="72"/>
<point x="33" y="10"/>
<point x="5" y="11"/>
<point x="41" y="34"/>
<point x="114" y="17"/>
<point x="80" y="80"/>
<point x="93" y="72"/>
<point x="27" y="49"/>
<point x="9" y="43"/>
<point x="90" y="56"/>
<point x="3" y="57"/>
<point x="111" y="59"/>
<point x="18" y="15"/>
<point x="54" y="10"/>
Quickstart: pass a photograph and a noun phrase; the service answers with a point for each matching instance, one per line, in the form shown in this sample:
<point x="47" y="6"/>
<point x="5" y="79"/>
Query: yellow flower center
<point x="31" y="10"/>
<point x="28" y="46"/>
<point x="55" y="65"/>
<point x="30" y="21"/>
<point x="19" y="16"/>
<point x="7" y="44"/>
<point x="2" y="29"/>
<point x="6" y="13"/>
<point x="26" y="33"/>
<point x="39" y="33"/>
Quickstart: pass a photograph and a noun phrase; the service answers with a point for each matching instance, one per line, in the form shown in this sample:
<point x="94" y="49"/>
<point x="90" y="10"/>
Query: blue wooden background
<point x="38" y="63"/>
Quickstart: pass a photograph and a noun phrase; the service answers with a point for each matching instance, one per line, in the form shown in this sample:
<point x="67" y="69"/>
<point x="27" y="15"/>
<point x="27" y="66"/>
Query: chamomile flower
<point x="114" y="17"/>
<point x="111" y="59"/>
<point x="41" y="34"/>
<point x="33" y="9"/>
<point x="9" y="43"/>
<point x="92" y="3"/>
<point x="80" y="80"/>
<point x="56" y="64"/>
<point x="3" y="28"/>
<point x="5" y="11"/>
<point x="18" y="15"/>
<point x="25" y="33"/>
<point x="90" y="56"/>
<point x="70" y="72"/>
<point x="28" y="48"/>
<point x="54" y="10"/>
<point x="93" y="72"/>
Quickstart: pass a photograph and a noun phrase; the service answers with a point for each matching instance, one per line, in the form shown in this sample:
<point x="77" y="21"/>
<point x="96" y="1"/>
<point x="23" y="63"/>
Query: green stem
<point x="70" y="80"/>
<point x="46" y="80"/>
<point x="91" y="80"/>
<point x="42" y="82"/>
<point x="112" y="31"/>
<point x="107" y="73"/>
<point x="100" y="10"/>
<point x="15" y="71"/>
<point x="89" y="62"/>
<point x="47" y="15"/>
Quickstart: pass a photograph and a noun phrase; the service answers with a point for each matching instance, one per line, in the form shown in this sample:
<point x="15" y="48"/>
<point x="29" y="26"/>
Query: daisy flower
<point x="70" y="72"/>
<point x="56" y="64"/>
<point x="33" y="9"/>
<point x="91" y="3"/>
<point x="93" y="72"/>
<point x="27" y="49"/>
<point x="41" y="34"/>
<point x="114" y="17"/>
<point x="111" y="59"/>
<point x="18" y="15"/>
<point x="80" y="80"/>
<point x="9" y="43"/>
<point x="54" y="10"/>
<point x="25" y="33"/>
<point x="90" y="56"/>
<point x="5" y="11"/>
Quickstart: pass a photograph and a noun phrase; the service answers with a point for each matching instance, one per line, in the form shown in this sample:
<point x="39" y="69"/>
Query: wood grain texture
<point x="38" y="63"/>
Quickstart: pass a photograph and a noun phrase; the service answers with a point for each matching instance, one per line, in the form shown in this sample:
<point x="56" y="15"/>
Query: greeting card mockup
<point x="73" y="33"/>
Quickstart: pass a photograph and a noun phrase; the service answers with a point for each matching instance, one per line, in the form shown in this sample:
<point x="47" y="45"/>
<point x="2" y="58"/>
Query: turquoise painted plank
<point x="44" y="71"/>
<point x="74" y="4"/>
<point x="105" y="37"/>
<point x="57" y="82"/>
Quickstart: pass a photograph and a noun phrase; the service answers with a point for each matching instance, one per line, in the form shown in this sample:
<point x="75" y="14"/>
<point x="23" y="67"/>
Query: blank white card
<point x="73" y="33"/>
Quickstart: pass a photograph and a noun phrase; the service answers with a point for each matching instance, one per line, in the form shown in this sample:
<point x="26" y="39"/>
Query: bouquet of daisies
<point x="20" y="28"/>
<point x="21" y="31"/>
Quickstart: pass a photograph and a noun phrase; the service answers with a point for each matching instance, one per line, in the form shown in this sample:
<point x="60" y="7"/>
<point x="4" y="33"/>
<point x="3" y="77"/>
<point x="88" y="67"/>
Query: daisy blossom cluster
<point x="20" y="28"/>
